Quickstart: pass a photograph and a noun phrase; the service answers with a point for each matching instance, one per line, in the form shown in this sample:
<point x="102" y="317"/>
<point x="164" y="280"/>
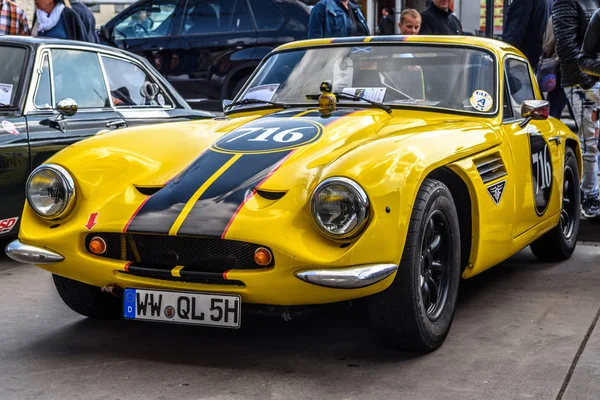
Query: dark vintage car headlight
<point x="340" y="207"/>
<point x="50" y="191"/>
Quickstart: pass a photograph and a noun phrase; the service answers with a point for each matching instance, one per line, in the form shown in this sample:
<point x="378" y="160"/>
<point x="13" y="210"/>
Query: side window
<point x="212" y="16"/>
<point x="267" y="15"/>
<point x="519" y="83"/>
<point x="147" y="19"/>
<point x="125" y="80"/>
<point x="43" y="96"/>
<point x="77" y="75"/>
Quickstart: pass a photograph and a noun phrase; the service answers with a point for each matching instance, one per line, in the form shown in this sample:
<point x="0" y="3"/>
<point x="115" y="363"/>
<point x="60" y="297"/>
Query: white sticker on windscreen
<point x="481" y="100"/>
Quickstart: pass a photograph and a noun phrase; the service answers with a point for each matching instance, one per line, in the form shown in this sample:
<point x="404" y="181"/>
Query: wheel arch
<point x="574" y="145"/>
<point x="462" y="199"/>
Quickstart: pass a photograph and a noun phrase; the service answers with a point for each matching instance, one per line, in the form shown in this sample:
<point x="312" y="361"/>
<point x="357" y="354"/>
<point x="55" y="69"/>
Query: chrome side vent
<point x="490" y="167"/>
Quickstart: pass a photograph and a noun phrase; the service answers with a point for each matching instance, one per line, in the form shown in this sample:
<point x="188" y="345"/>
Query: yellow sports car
<point x="379" y="167"/>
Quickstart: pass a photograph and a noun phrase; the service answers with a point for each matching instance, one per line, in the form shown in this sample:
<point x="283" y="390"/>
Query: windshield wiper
<point x="5" y="105"/>
<point x="257" y="101"/>
<point x="385" y="107"/>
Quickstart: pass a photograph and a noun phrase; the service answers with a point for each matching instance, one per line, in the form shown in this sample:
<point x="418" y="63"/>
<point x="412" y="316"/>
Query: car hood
<point x="197" y="176"/>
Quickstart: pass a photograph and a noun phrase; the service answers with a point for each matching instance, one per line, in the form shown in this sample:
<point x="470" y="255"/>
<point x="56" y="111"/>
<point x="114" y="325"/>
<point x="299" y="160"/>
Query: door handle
<point x="555" y="139"/>
<point x="116" y="124"/>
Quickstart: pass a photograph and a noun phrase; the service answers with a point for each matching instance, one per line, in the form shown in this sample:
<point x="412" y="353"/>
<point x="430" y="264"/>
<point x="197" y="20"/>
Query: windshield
<point x="11" y="67"/>
<point x="444" y="77"/>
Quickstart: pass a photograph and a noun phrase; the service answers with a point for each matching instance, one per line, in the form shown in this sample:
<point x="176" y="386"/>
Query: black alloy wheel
<point x="434" y="269"/>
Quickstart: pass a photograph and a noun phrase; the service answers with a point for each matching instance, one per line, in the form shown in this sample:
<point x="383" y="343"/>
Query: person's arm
<point x="23" y="25"/>
<point x="316" y="22"/>
<point x="591" y="46"/>
<point x="565" y="18"/>
<point x="516" y="22"/>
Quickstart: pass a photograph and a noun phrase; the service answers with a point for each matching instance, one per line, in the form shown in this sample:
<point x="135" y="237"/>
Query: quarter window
<point x="43" y="96"/>
<point x="125" y="80"/>
<point x="267" y="15"/>
<point x="519" y="84"/>
<point x="77" y="75"/>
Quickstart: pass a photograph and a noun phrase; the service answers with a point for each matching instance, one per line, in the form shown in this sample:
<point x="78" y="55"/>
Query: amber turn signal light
<point x="97" y="245"/>
<point x="262" y="256"/>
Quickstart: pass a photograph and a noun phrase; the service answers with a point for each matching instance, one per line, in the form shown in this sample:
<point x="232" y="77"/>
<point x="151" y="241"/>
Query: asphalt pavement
<point x="523" y="330"/>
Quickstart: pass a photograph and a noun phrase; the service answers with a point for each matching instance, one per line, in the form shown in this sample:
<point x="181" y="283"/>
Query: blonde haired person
<point x="410" y="22"/>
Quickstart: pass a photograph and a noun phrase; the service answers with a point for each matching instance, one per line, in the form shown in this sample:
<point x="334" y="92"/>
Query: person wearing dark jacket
<point x="386" y="24"/>
<point x="524" y="27"/>
<point x="55" y="20"/>
<point x="336" y="18"/>
<point x="438" y="19"/>
<point x="571" y="19"/>
<point x="87" y="17"/>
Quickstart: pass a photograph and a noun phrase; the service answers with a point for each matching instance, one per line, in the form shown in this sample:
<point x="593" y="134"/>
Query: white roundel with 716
<point x="481" y="100"/>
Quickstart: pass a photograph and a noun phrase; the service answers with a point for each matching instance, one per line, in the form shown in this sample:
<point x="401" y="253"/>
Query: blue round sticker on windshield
<point x="270" y="135"/>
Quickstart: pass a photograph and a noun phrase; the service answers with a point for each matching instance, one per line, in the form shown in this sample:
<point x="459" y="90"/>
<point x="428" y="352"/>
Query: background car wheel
<point x="86" y="299"/>
<point x="416" y="311"/>
<point x="559" y="243"/>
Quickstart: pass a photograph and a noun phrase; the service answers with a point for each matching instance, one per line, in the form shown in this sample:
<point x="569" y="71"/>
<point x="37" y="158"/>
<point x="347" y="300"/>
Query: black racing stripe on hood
<point x="220" y="202"/>
<point x="317" y="116"/>
<point x="161" y="210"/>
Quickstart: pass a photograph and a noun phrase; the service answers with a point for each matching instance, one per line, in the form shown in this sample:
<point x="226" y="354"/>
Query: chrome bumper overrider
<point x="31" y="254"/>
<point x="348" y="278"/>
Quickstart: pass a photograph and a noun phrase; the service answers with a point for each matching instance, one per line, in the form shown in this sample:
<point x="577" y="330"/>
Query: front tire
<point x="87" y="300"/>
<point x="416" y="311"/>
<point x="559" y="243"/>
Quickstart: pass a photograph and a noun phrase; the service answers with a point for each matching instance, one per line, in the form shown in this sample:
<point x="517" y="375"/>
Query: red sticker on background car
<point x="6" y="225"/>
<point x="10" y="127"/>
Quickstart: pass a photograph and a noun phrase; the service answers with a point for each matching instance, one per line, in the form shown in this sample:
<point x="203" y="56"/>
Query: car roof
<point x="38" y="42"/>
<point x="496" y="46"/>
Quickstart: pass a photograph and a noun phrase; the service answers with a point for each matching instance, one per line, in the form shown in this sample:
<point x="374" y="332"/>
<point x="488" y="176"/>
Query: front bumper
<point x="31" y="254"/>
<point x="284" y="285"/>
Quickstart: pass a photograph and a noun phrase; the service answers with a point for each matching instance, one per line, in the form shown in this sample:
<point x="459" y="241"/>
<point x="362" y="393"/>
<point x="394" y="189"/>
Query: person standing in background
<point x="571" y="19"/>
<point x="438" y="19"/>
<point x="386" y="24"/>
<point x="87" y="17"/>
<point x="410" y="22"/>
<point x="556" y="97"/>
<point x="12" y="19"/>
<point x="336" y="18"/>
<point x="54" y="19"/>
<point x="524" y="27"/>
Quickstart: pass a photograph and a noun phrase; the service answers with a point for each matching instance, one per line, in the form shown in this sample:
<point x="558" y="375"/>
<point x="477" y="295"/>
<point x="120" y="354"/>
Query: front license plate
<point x="184" y="308"/>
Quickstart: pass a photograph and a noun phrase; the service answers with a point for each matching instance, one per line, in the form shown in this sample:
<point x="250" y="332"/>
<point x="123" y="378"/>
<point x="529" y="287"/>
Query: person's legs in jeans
<point x="558" y="100"/>
<point x="582" y="102"/>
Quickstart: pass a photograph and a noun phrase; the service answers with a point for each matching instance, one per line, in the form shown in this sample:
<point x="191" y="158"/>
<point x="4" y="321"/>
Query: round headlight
<point x="340" y="207"/>
<point x="50" y="191"/>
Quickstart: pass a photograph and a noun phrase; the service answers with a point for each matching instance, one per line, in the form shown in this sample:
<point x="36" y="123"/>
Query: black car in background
<point x="207" y="49"/>
<point x="55" y="92"/>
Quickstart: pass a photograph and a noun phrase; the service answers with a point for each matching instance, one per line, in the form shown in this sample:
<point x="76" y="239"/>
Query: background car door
<point x="537" y="159"/>
<point x="145" y="28"/>
<point x="75" y="74"/>
<point x="215" y="36"/>
<point x="14" y="149"/>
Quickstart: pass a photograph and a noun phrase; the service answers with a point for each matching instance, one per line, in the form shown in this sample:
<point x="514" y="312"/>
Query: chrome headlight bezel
<point x="67" y="183"/>
<point x="360" y="195"/>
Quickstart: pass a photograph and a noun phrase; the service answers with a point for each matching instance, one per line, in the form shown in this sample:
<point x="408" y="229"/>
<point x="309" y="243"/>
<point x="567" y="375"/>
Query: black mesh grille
<point x="165" y="252"/>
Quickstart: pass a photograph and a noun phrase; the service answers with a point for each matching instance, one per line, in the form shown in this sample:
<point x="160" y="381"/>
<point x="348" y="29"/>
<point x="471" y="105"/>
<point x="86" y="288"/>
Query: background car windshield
<point x="434" y="76"/>
<point x="13" y="59"/>
<point x="146" y="19"/>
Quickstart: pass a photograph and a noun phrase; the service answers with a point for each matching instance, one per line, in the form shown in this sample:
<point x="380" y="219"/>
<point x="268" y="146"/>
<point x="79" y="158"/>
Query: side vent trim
<point x="490" y="167"/>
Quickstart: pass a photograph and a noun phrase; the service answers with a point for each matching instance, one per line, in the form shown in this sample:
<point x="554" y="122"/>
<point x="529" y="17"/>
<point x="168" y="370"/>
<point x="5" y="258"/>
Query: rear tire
<point x="559" y="243"/>
<point x="238" y="86"/>
<point x="87" y="300"/>
<point x="416" y="311"/>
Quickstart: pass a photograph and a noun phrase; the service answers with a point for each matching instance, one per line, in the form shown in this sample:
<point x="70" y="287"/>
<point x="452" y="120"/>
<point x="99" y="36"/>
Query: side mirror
<point x="534" y="109"/>
<point x="149" y="90"/>
<point x="67" y="107"/>
<point x="226" y="103"/>
<point x="105" y="33"/>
